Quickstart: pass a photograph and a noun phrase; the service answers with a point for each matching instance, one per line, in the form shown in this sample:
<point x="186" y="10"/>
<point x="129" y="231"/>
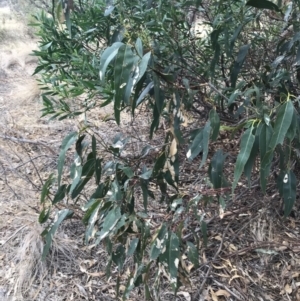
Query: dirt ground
<point x="252" y="252"/>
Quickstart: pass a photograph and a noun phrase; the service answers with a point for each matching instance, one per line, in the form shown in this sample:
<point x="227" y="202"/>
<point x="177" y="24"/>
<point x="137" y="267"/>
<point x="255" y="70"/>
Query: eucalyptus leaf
<point x="247" y="142"/>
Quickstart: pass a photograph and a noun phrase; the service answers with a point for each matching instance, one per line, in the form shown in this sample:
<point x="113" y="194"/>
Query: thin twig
<point x="228" y="290"/>
<point x="28" y="141"/>
<point x="16" y="232"/>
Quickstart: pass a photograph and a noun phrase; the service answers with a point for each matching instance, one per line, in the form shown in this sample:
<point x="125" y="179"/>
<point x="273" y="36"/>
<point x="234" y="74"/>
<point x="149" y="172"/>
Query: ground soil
<point x="253" y="253"/>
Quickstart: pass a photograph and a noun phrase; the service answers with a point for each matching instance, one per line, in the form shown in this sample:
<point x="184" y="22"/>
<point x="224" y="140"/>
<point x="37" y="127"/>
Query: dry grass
<point x="23" y="168"/>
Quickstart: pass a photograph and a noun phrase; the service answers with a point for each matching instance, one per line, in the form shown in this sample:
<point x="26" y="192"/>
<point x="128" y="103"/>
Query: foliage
<point x="244" y="75"/>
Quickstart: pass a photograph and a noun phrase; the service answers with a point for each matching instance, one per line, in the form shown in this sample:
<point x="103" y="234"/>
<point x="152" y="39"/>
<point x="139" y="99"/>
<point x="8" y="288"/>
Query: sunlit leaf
<point x="107" y="56"/>
<point x="109" y="223"/>
<point x="159" y="243"/>
<point x="174" y="258"/>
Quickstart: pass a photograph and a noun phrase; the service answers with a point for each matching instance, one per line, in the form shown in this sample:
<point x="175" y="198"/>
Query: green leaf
<point x="44" y="215"/>
<point x="58" y="219"/>
<point x="124" y="63"/>
<point x="106" y="57"/>
<point x="127" y="171"/>
<point x="109" y="10"/>
<point x="132" y="246"/>
<point x="76" y="173"/>
<point x="238" y="64"/>
<point x="109" y="223"/>
<point x="264" y="140"/>
<point x="145" y="92"/>
<point x="88" y="170"/>
<point x="193" y="254"/>
<point x="46" y="188"/>
<point x="215" y="170"/>
<point x="119" y="256"/>
<point x="289" y="193"/>
<point x="250" y="163"/>
<point x="196" y="146"/>
<point x="282" y="124"/>
<point x="139" y="47"/>
<point x="66" y="144"/>
<point x="132" y="281"/>
<point x="60" y="194"/>
<point x="142" y="67"/>
<point x="215" y="124"/>
<point x="79" y="146"/>
<point x="204" y="232"/>
<point x="144" y="187"/>
<point x="264" y="4"/>
<point x="247" y="142"/>
<point x="93" y="217"/>
<point x="174" y="256"/>
<point x="159" y="98"/>
<point x="159" y="243"/>
<point x="98" y="170"/>
<point x="205" y="142"/>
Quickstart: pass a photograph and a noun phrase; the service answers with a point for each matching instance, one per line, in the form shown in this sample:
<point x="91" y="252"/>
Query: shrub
<point x="239" y="78"/>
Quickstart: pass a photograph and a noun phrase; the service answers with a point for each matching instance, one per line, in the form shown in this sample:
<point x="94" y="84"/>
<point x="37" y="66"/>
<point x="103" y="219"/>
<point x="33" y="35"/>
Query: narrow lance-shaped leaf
<point x="109" y="223"/>
<point x="119" y="257"/>
<point x="132" y="281"/>
<point x="289" y="183"/>
<point x="144" y="186"/>
<point x="205" y="142"/>
<point x="247" y="142"/>
<point x="88" y="170"/>
<point x="196" y="146"/>
<point x="192" y="254"/>
<point x="250" y="163"/>
<point x="178" y="117"/>
<point x="66" y="144"/>
<point x="173" y="262"/>
<point x="132" y="246"/>
<point x="238" y="64"/>
<point x="282" y="124"/>
<point x="144" y="93"/>
<point x="92" y="220"/>
<point x="44" y="215"/>
<point x="46" y="188"/>
<point x="60" y="194"/>
<point x="139" y="47"/>
<point x="264" y="140"/>
<point x="124" y="63"/>
<point x="159" y="243"/>
<point x="215" y="124"/>
<point x="215" y="170"/>
<point x="106" y="57"/>
<point x="142" y="67"/>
